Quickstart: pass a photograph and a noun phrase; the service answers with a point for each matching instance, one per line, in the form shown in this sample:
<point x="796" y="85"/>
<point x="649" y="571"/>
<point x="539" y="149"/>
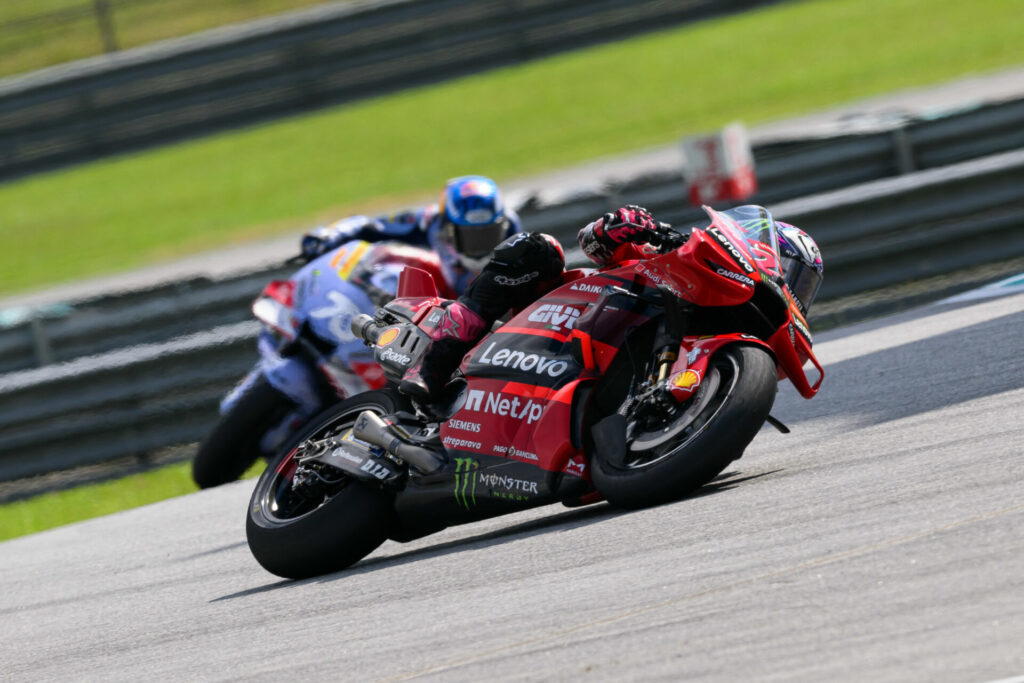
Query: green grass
<point x="39" y="33"/>
<point x="49" y="510"/>
<point x="122" y="213"/>
<point x="54" y="509"/>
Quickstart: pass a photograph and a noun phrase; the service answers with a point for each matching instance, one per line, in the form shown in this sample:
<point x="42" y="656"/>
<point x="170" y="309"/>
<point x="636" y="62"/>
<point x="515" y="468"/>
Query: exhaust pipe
<point x="371" y="428"/>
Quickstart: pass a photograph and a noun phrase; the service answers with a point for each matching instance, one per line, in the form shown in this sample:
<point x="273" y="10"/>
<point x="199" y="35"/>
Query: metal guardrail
<point x="109" y="323"/>
<point x="128" y="402"/>
<point x="238" y="75"/>
<point x="786" y="170"/>
<point x="890" y="232"/>
<point x="874" y="234"/>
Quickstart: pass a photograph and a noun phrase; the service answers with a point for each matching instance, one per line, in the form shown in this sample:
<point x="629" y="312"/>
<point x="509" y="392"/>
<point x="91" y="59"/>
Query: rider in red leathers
<point x="526" y="266"/>
<point x="523" y="268"/>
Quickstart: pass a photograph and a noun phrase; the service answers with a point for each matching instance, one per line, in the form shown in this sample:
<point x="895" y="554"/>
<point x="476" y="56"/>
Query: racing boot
<point x="458" y="330"/>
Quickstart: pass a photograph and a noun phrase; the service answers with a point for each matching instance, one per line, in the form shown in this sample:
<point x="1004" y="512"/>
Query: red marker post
<point x="720" y="166"/>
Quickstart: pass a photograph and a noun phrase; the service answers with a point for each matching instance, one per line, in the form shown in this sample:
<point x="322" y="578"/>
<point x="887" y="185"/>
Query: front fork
<point x="670" y="335"/>
<point x="656" y="399"/>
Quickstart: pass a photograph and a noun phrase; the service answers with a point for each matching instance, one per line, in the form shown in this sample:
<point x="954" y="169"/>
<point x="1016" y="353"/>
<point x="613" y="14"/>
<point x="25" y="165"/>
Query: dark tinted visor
<point x="476" y="241"/>
<point x="803" y="281"/>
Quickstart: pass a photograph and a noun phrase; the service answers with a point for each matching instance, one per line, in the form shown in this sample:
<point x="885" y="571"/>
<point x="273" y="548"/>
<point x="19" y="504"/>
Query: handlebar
<point x="667" y="238"/>
<point x="365" y="327"/>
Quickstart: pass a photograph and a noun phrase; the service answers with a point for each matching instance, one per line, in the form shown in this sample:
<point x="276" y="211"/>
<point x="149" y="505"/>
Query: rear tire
<point x="298" y="536"/>
<point x="234" y="444"/>
<point x="704" y="435"/>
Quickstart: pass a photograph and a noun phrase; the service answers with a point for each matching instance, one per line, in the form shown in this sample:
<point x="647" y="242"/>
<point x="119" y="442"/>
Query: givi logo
<point x="555" y="316"/>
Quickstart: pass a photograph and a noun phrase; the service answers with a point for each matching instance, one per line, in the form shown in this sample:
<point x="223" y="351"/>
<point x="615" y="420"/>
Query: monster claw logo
<point x="465" y="481"/>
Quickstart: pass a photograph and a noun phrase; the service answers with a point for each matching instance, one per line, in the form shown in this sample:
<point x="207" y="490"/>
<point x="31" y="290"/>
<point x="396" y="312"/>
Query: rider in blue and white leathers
<point x="488" y="265"/>
<point x="463" y="229"/>
<point x="309" y="357"/>
<point x="352" y="266"/>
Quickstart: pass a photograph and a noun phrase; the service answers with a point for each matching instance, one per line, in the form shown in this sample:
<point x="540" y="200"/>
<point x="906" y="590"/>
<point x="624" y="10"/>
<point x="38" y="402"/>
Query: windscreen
<point x="755" y="226"/>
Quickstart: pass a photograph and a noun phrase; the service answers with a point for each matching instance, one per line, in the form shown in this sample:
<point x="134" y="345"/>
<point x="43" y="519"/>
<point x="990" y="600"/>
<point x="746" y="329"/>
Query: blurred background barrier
<point x="53" y="334"/>
<point x="872" y="235"/>
<point x="136" y="400"/>
<point x="124" y="403"/>
<point x="289" y="63"/>
<point x="787" y="169"/>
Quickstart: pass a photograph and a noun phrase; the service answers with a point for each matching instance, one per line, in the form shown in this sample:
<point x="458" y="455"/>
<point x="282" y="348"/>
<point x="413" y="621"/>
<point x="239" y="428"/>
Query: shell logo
<point x="388" y="336"/>
<point x="687" y="380"/>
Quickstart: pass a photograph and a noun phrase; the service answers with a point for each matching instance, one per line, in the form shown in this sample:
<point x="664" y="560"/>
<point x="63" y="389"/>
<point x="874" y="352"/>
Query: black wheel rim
<point x="648" y="446"/>
<point x="278" y="501"/>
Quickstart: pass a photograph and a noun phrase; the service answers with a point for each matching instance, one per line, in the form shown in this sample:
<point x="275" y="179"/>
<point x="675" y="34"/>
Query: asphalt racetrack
<point x="880" y="541"/>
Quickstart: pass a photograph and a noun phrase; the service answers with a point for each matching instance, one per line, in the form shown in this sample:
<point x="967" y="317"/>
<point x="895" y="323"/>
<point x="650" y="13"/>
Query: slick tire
<point x="297" y="538"/>
<point x="234" y="444"/>
<point x="739" y="390"/>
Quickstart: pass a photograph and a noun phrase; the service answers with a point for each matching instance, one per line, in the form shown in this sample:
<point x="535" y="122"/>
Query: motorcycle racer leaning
<point x="463" y="228"/>
<point x="309" y="356"/>
<point x="527" y="265"/>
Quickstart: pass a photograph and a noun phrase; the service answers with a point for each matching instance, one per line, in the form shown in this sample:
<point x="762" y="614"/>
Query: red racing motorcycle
<point x="635" y="384"/>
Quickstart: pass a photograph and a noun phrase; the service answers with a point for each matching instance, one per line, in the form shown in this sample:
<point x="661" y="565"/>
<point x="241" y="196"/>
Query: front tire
<point x="234" y="443"/>
<point x="693" y="444"/>
<point x="297" y="535"/>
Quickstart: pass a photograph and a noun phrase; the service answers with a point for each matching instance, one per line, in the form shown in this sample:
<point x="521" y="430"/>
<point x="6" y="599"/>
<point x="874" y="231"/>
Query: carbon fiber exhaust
<point x="370" y="428"/>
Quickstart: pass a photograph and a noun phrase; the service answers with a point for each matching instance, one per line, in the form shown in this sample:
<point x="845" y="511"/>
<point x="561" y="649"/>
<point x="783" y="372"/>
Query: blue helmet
<point x="473" y="221"/>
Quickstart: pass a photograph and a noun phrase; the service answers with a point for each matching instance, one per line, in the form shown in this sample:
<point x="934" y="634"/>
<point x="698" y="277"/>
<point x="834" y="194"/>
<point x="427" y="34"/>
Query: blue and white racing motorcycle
<point x="309" y="357"/>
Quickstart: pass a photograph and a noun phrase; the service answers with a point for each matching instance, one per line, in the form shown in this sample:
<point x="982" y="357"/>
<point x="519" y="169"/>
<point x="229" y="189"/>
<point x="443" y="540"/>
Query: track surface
<point x="879" y="541"/>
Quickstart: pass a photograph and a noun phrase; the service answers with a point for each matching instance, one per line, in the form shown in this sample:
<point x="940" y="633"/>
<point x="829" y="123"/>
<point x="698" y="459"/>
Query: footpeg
<point x="371" y="428"/>
<point x="777" y="423"/>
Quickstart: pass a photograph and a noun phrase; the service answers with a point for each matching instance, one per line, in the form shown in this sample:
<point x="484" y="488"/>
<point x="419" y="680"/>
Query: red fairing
<point x="371" y="374"/>
<point x="792" y="350"/>
<point x="274" y="307"/>
<point x="282" y="291"/>
<point x="423" y="261"/>
<point x="690" y="368"/>
<point x="524" y="378"/>
<point x="415" y="282"/>
<point x="715" y="269"/>
<point x="417" y="293"/>
<point x="702" y="271"/>
<point x="568" y="313"/>
<point x="515" y="420"/>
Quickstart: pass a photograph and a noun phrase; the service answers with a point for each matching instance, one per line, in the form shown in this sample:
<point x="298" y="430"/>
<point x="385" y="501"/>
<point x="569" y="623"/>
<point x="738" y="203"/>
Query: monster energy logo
<point x="465" y="472"/>
<point x="752" y="226"/>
